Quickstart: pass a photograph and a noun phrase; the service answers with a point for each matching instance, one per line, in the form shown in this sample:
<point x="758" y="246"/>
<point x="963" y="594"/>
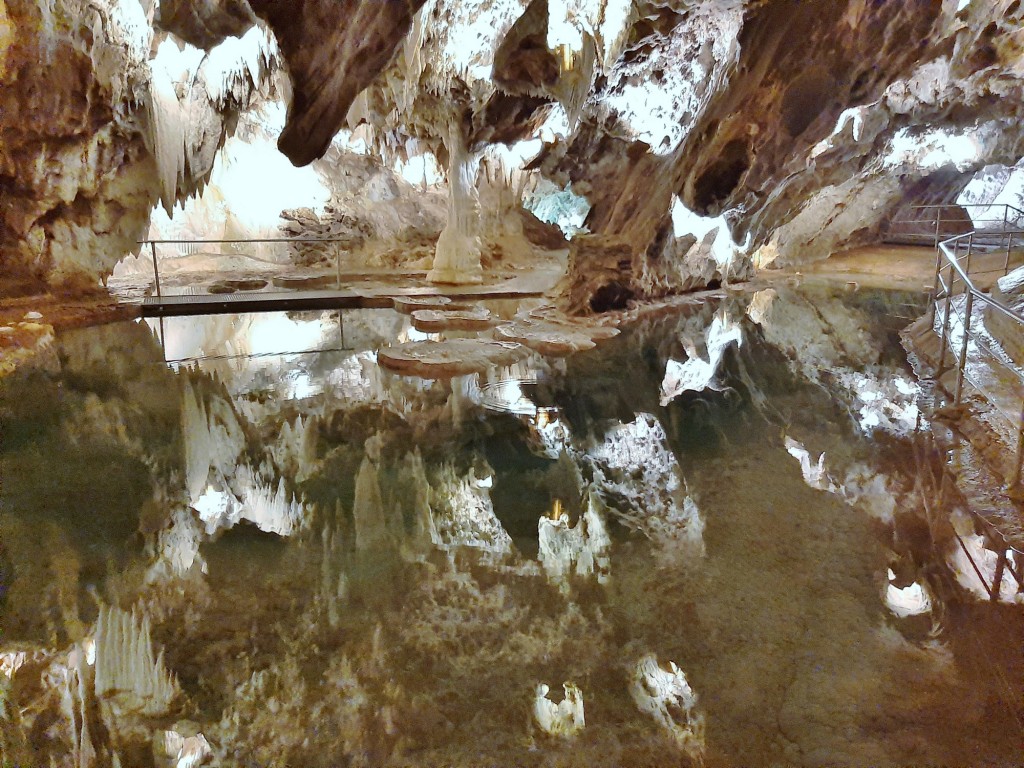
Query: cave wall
<point x="792" y="132"/>
<point x="77" y="180"/>
<point x="790" y="120"/>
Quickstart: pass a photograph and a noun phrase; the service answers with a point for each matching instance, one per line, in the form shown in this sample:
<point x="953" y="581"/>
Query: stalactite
<point x="167" y="127"/>
<point x="239" y="68"/>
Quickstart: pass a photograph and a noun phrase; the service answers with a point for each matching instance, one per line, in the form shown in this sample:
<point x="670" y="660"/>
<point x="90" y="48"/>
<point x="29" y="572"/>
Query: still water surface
<point x="576" y="561"/>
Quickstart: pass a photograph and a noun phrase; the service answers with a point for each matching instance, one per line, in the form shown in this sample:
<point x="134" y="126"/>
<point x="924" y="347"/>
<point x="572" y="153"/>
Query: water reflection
<point x="342" y="565"/>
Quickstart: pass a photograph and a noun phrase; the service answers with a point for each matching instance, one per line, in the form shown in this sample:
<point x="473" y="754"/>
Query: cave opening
<point x="806" y="98"/>
<point x="721" y="178"/>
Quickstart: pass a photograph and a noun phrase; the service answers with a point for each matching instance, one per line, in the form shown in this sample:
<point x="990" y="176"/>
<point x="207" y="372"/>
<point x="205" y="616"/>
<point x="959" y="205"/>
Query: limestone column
<point x="457" y="258"/>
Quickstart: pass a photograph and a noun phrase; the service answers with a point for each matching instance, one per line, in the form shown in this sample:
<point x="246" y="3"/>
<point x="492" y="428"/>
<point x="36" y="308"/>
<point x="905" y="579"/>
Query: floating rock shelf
<point x="550" y="337"/>
<point x="409" y="304"/>
<point x="455" y="357"/>
<point x="434" y="320"/>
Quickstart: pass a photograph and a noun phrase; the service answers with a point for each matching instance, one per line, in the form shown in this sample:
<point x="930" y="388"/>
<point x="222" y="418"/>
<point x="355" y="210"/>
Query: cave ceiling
<point x="788" y="119"/>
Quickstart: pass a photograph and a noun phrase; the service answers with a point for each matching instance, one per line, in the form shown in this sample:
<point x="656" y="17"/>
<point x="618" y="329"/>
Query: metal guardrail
<point x="932" y="229"/>
<point x="154" y="243"/>
<point x="953" y="278"/>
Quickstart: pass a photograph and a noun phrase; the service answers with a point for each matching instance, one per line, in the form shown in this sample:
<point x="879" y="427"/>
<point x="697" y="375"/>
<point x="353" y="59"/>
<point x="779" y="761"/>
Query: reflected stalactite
<point x="463" y="513"/>
<point x="295" y="452"/>
<point x="697" y="374"/>
<point x="424" y="530"/>
<point x="373" y="531"/>
<point x="581" y="549"/>
<point x="663" y="693"/>
<point x="127" y="671"/>
<point x="566" y="718"/>
<point x="333" y="581"/>
<point x="635" y="469"/>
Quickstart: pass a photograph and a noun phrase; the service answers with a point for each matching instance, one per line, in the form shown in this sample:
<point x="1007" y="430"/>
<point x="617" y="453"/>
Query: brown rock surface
<point x="453" y="357"/>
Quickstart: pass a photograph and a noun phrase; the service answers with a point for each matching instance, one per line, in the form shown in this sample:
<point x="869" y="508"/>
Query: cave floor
<point x="896" y="267"/>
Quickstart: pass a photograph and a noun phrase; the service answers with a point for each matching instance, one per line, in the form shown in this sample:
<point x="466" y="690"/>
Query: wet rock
<point x="434" y="320"/>
<point x="444" y="359"/>
<point x="549" y="336"/>
<point x="409" y="304"/>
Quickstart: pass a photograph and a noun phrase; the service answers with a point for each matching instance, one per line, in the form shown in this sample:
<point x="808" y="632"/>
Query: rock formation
<point x="701" y="135"/>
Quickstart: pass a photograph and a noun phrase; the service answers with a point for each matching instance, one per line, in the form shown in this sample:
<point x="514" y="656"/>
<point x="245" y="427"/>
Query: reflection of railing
<point x="957" y="295"/>
<point x="191" y="244"/>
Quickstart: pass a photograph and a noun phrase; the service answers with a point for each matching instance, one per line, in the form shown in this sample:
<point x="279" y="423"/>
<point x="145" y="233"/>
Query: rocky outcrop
<point x="805" y="128"/>
<point x="89" y="146"/>
<point x="332" y="49"/>
<point x="77" y="180"/>
<point x="799" y="130"/>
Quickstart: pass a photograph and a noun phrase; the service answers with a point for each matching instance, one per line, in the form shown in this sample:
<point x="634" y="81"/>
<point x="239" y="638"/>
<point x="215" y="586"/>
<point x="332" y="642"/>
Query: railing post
<point x="1015" y="482"/>
<point x="935" y="289"/>
<point x="943" y="343"/>
<point x="970" y="252"/>
<point x="938" y="227"/>
<point x="1006" y="263"/>
<point x="963" y="348"/>
<point x="156" y="270"/>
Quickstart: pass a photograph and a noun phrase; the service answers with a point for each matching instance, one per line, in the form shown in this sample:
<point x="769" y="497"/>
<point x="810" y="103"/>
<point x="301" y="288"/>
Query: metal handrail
<point x="154" y="243"/>
<point x="958" y="267"/>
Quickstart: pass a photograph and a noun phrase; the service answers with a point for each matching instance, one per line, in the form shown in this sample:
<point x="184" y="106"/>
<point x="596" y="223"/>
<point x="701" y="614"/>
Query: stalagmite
<point x="126" y="670"/>
<point x="457" y="258"/>
<point x="563" y="719"/>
